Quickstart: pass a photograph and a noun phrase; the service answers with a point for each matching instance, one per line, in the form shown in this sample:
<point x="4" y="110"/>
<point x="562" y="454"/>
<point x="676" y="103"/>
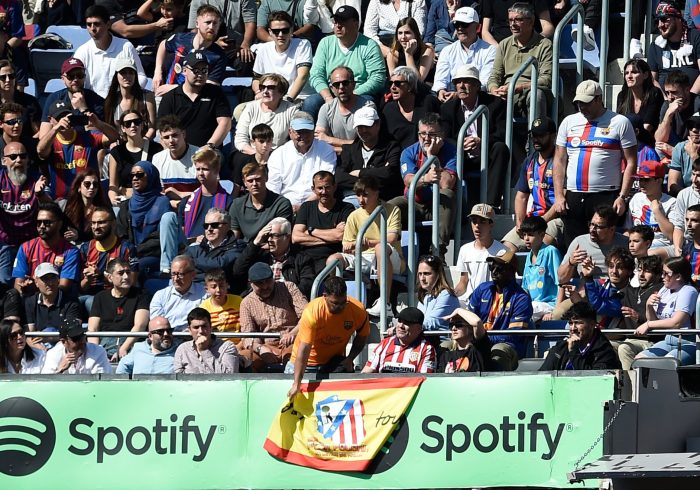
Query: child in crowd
<point x="640" y="240"/>
<point x="223" y="307"/>
<point x="541" y="265"/>
<point x="261" y="138"/>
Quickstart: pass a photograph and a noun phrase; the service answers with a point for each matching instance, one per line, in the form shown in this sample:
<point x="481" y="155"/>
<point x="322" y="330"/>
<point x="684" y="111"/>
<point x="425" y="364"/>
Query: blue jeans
<point x="312" y="104"/>
<point x="171" y="237"/>
<point x="670" y="347"/>
<point x="7" y="258"/>
<point x="442" y="40"/>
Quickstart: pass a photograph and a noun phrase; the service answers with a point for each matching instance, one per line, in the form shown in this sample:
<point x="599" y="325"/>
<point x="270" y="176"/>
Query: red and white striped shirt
<point x="390" y="356"/>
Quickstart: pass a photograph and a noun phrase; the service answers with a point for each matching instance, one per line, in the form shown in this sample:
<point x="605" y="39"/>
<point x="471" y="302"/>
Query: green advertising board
<point x="459" y="432"/>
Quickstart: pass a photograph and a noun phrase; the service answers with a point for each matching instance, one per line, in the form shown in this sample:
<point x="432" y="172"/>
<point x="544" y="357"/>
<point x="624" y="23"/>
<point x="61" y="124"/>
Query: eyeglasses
<point x="667" y="273"/>
<point x="75" y="76"/>
<point x="214" y="226"/>
<point x="268" y="87"/>
<point x="13" y="122"/>
<point x="15" y="156"/>
<point x="517" y="20"/>
<point x="180" y="275"/>
<point x="44" y="222"/>
<point x="89" y="184"/>
<point x="397" y="83"/>
<point x="8" y="76"/>
<point x="199" y="71"/>
<point x="342" y="83"/>
<point x="162" y="331"/>
<point x="423" y="134"/>
<point x="596" y="226"/>
<point x="138" y="175"/>
<point x="277" y="32"/>
<point x="132" y="122"/>
<point x="17" y="334"/>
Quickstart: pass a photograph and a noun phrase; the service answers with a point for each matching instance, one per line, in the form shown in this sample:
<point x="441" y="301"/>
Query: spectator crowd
<point x="149" y="195"/>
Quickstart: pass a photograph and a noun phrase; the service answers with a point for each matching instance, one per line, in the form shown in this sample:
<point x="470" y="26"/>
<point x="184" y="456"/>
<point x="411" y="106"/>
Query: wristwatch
<point x="310" y="230"/>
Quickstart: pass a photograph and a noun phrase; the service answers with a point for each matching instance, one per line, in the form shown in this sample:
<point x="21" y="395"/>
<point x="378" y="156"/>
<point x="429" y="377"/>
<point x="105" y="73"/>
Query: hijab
<point x="144" y="201"/>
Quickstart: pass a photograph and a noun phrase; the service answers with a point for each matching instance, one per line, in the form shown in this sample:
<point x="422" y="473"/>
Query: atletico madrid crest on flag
<point x="340" y="425"/>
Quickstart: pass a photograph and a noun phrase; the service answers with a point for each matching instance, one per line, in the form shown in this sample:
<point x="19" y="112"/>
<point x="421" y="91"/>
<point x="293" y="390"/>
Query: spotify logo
<point x="27" y="436"/>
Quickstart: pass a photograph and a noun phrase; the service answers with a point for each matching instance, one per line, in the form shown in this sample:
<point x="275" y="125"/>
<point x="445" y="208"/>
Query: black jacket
<point x="600" y="355"/>
<point x="150" y="247"/>
<point x="383" y="164"/>
<point x="222" y="257"/>
<point x="299" y="268"/>
<point x="453" y="117"/>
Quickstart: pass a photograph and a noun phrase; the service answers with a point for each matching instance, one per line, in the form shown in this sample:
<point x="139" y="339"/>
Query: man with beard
<point x="370" y="154"/>
<point x="535" y="187"/>
<point x="155" y="355"/>
<point x="19" y="198"/>
<point x="201" y="107"/>
<point x="49" y="246"/>
<point x="74" y="355"/>
<point x="75" y="95"/>
<point x="272" y="306"/>
<point x="335" y="119"/>
<point x="690" y="196"/>
<point x="178" y="46"/>
<point x="99" y="251"/>
<point x="119" y="309"/>
<point x="503" y="305"/>
<point x="319" y="225"/>
<point x="679" y="112"/>
<point x="455" y="111"/>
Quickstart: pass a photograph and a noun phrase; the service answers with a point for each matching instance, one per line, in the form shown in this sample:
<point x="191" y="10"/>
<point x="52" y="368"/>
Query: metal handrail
<point x="563" y="332"/>
<point x="576" y="9"/>
<point x="381" y="212"/>
<point x="531" y="62"/>
<point x="604" y="43"/>
<point x="411" y="197"/>
<point x="647" y="27"/>
<point x="142" y="335"/>
<point x="483" y="112"/>
<point x="627" y="36"/>
<point x="322" y="275"/>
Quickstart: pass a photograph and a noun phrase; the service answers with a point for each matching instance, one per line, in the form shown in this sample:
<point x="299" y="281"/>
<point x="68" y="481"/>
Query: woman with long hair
<point x="672" y="307"/>
<point x="16" y="355"/>
<point x="125" y="94"/>
<point x="132" y="147"/>
<point x="639" y="95"/>
<point x="85" y="195"/>
<point x="384" y="15"/>
<point x="410" y="50"/>
<point x="436" y="299"/>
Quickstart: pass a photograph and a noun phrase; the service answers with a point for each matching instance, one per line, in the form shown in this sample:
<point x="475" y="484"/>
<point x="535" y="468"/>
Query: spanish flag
<point x="340" y="425"/>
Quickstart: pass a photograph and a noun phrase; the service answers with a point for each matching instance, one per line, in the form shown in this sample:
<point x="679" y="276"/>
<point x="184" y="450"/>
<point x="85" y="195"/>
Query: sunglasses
<point x="8" y="76"/>
<point x="342" y="83"/>
<point x="268" y="87"/>
<point x="138" y="175"/>
<point x="75" y="76"/>
<point x="200" y="71"/>
<point x="14" y="156"/>
<point x="277" y="32"/>
<point x="162" y="331"/>
<point x="397" y="83"/>
<point x="214" y="226"/>
<point x="12" y="122"/>
<point x="44" y="222"/>
<point x="496" y="267"/>
<point x="458" y="325"/>
<point x="88" y="184"/>
<point x="17" y="334"/>
<point x="429" y="259"/>
<point x="132" y="122"/>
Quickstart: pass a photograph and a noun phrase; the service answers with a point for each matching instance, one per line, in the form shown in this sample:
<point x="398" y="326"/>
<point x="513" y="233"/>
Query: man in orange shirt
<point x="324" y="330"/>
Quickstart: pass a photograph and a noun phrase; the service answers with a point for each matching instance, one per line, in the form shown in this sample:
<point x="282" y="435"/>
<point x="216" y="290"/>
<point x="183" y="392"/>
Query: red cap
<point x="71" y="64"/>
<point x="651" y="169"/>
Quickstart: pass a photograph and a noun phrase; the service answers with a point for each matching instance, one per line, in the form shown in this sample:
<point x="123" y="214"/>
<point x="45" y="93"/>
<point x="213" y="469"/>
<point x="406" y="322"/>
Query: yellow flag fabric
<point x="340" y="425"/>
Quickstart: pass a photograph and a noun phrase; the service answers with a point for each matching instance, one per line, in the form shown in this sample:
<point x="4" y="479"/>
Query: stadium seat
<point x="54" y="85"/>
<point x="529" y="364"/>
<point x="75" y="35"/>
<point x="31" y="87"/>
<point x="546" y="343"/>
<point x="352" y="291"/>
<point x="46" y="64"/>
<point x="230" y="83"/>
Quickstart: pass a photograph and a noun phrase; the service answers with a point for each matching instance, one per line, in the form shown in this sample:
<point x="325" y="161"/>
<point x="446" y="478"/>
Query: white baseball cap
<point x="365" y="116"/>
<point x="467" y="15"/>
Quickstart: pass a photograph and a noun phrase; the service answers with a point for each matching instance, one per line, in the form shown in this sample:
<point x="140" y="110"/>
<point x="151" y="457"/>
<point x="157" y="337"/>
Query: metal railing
<point x="383" y="260"/>
<point x="532" y="63"/>
<point x="578" y="10"/>
<point x="604" y="43"/>
<point x="143" y="335"/>
<point x="316" y="286"/>
<point x="627" y="36"/>
<point x="411" y="197"/>
<point x="483" y="112"/>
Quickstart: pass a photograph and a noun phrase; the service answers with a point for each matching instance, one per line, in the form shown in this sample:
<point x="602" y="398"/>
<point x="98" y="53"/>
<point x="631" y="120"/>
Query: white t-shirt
<point x="594" y="149"/>
<point x="473" y="261"/>
<point x="93" y="361"/>
<point x="268" y="60"/>
<point x="177" y="173"/>
<point x="640" y="213"/>
<point x="29" y="367"/>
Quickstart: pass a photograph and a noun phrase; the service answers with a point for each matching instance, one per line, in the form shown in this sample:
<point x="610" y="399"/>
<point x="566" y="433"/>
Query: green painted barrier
<point x="459" y="432"/>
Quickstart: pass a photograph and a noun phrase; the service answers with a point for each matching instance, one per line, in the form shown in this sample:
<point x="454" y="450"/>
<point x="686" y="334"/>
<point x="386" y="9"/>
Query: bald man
<point x="155" y="356"/>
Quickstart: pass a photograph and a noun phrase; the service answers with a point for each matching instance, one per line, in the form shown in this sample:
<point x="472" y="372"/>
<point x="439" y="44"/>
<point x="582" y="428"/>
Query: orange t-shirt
<point x="328" y="334"/>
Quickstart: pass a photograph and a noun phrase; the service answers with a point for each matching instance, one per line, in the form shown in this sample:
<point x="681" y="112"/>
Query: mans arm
<point x="94" y="326"/>
<point x="223" y="126"/>
<point x="358" y="343"/>
<point x="630" y="156"/>
<point x="461" y="286"/>
<point x="126" y="364"/>
<point x="608" y="305"/>
<point x="668" y="113"/>
<point x="318" y="75"/>
<point x="135" y="31"/>
<point x="498" y="73"/>
<point x="299" y="82"/>
<point x="520" y="208"/>
<point x="300" y="363"/>
<point x="140" y="325"/>
<point x="227" y="362"/>
<point x="558" y="177"/>
<point x="43" y="148"/>
<point x="486" y="31"/>
<point x="544" y="79"/>
<point x="374" y="64"/>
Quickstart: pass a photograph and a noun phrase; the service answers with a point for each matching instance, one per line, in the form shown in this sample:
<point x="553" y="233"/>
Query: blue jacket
<point x="605" y="299"/>
<point x="435" y="308"/>
<point x="515" y="314"/>
<point x="439" y="18"/>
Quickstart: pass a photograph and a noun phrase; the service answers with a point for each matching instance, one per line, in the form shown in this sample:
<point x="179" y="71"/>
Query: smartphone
<point x="77" y="120"/>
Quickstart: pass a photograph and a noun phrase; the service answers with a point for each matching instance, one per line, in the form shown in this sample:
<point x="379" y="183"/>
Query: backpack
<point x="49" y="41"/>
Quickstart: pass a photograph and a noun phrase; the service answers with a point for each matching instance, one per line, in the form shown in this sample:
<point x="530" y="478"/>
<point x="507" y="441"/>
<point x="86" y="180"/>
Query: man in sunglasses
<point x="19" y="198"/>
<point x="218" y="248"/>
<point x="502" y="304"/>
<point x="74" y="355"/>
<point x="76" y="97"/>
<point x="16" y="127"/>
<point x="155" y="355"/>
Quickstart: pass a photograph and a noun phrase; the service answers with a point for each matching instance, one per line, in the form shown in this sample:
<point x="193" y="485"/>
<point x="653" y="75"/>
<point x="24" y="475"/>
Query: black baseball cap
<point x="346" y="12"/>
<point x="542" y="126"/>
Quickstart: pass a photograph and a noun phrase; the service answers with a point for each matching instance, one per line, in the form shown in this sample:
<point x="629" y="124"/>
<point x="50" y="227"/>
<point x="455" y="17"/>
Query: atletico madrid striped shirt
<point x="390" y="356"/>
